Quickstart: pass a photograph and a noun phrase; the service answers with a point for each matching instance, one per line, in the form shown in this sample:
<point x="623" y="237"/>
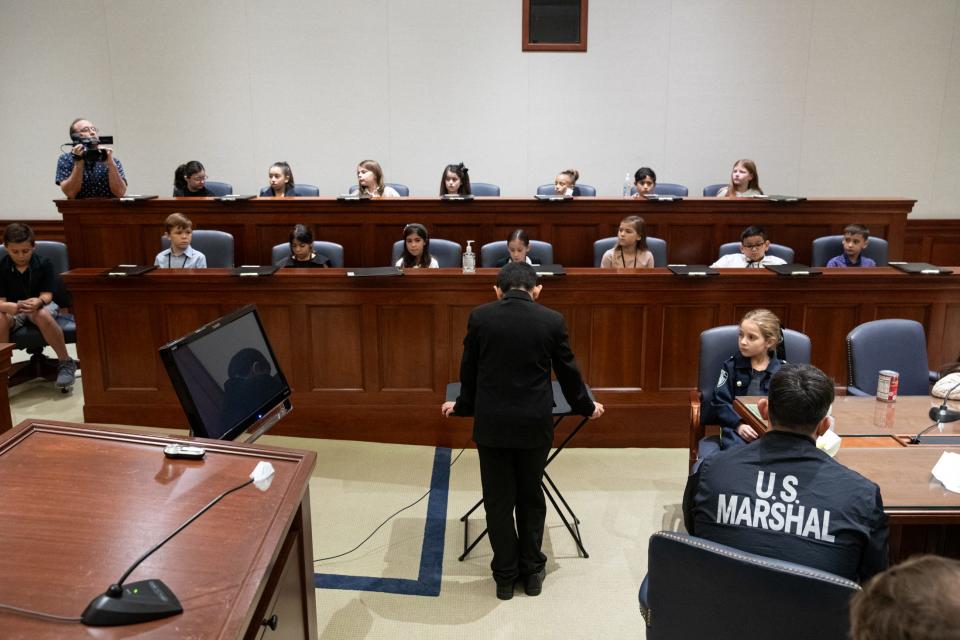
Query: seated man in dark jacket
<point x="783" y="497"/>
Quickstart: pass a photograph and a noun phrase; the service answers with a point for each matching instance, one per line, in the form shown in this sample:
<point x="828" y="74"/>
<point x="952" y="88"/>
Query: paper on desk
<point x="262" y="475"/>
<point x="829" y="442"/>
<point x="947" y="471"/>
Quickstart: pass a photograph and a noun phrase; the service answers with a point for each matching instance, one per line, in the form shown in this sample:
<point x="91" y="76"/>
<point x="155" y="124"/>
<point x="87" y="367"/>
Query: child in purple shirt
<point x="856" y="237"/>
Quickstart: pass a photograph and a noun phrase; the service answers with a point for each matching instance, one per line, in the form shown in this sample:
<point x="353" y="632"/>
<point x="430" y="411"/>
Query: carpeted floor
<point x="407" y="581"/>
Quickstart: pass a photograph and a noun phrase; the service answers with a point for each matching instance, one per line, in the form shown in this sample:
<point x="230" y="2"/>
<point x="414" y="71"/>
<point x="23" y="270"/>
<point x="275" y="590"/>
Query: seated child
<point x="180" y="255"/>
<point x="518" y="249"/>
<point x="302" y="254"/>
<point x="645" y="180"/>
<point x="27" y="283"/>
<point x="190" y="181"/>
<point x="856" y="237"/>
<point x="416" y="249"/>
<point x="280" y="176"/>
<point x="565" y="184"/>
<point x="746" y="373"/>
<point x="631" y="251"/>
<point x="370" y="181"/>
<point x="455" y="180"/>
<point x="744" y="181"/>
<point x="753" y="251"/>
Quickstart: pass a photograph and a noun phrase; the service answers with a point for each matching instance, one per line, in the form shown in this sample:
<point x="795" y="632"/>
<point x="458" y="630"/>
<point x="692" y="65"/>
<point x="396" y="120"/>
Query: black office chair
<point x="29" y="338"/>
<point x="299" y="190"/>
<point x="696" y="588"/>
<point x="897" y="344"/>
<point x="711" y="190"/>
<point x="657" y="246"/>
<point x="827" y="247"/>
<point x="447" y="252"/>
<point x="484" y="189"/>
<point x="401" y="189"/>
<point x="578" y="190"/>
<point x="332" y="250"/>
<point x="496" y="254"/>
<point x="716" y="345"/>
<point x="666" y="189"/>
<point x="216" y="246"/>
<point x="783" y="252"/>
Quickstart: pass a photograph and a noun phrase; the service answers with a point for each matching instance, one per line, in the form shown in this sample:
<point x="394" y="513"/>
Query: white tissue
<point x="829" y="442"/>
<point x="947" y="471"/>
<point x="262" y="475"/>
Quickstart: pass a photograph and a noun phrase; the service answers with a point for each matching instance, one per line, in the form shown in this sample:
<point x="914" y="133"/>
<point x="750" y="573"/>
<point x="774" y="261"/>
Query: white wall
<point x="830" y="98"/>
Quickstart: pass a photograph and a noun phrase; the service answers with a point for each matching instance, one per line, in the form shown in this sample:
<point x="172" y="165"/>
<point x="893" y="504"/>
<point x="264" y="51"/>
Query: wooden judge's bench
<point x="369" y="358"/>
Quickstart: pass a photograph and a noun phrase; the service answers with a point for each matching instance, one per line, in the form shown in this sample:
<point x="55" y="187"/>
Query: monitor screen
<point x="226" y="375"/>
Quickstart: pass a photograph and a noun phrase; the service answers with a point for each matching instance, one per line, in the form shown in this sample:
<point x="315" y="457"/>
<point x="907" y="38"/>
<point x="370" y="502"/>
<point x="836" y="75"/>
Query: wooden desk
<point x="369" y="358"/>
<point x="694" y="228"/>
<point x="81" y="503"/>
<point x="859" y="417"/>
<point x="924" y="516"/>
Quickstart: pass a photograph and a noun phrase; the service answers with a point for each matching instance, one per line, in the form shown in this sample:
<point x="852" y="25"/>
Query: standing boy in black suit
<point x="509" y="350"/>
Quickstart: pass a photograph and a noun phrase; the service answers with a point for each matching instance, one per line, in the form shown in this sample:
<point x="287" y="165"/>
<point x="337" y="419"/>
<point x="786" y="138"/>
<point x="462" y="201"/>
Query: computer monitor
<point x="227" y="377"/>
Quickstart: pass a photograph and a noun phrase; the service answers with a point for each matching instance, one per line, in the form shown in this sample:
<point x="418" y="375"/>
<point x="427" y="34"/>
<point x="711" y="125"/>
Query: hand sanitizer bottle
<point x="627" y="185"/>
<point x="469" y="259"/>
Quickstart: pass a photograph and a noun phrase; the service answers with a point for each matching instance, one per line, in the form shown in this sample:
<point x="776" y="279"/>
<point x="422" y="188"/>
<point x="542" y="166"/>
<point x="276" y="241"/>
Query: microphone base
<point x="138" y="602"/>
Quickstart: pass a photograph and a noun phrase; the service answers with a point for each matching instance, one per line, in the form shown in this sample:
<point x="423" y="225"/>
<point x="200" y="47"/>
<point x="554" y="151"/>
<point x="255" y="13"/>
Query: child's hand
<point x="747" y="432"/>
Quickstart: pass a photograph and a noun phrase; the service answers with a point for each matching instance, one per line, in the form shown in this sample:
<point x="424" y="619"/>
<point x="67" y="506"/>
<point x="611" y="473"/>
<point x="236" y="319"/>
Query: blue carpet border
<point x="431" y="555"/>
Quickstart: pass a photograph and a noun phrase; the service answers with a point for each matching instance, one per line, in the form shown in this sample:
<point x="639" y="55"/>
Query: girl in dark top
<point x="190" y="180"/>
<point x="746" y="373"/>
<point x="281" y="181"/>
<point x="455" y="181"/>
<point x="302" y="254"/>
<point x="566" y="183"/>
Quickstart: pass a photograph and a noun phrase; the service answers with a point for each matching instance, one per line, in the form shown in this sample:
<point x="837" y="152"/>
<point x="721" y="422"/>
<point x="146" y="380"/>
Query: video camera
<point x="92" y="152"/>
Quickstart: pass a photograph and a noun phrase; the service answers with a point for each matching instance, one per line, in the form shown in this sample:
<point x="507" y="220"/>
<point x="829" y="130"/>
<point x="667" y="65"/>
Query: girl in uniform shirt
<point x="631" y="251"/>
<point x="416" y="249"/>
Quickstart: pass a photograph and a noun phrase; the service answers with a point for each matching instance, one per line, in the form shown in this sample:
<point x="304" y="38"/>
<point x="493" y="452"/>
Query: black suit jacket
<point x="509" y="350"/>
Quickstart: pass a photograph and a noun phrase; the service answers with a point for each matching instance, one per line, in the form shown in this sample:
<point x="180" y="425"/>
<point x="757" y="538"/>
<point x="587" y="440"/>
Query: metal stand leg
<point x="574" y="528"/>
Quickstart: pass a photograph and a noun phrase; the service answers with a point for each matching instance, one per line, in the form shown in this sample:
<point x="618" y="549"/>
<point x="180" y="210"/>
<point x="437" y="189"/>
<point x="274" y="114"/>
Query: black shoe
<point x="533" y="583"/>
<point x="504" y="590"/>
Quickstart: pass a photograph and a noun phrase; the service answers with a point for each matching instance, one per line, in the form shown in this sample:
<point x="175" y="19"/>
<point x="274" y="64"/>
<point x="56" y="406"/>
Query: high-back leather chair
<point x="578" y="190"/>
<point x="827" y="247"/>
<point x="657" y="246"/>
<point x="402" y="189"/>
<point x="447" y="252"/>
<point x="28" y="337"/>
<point x="216" y="246"/>
<point x="496" y="254"/>
<point x="666" y="189"/>
<point x="300" y="190"/>
<point x="484" y="189"/>
<point x="716" y="345"/>
<point x="690" y="581"/>
<point x="897" y="344"/>
<point x="781" y="251"/>
<point x="711" y="190"/>
<point x="332" y="250"/>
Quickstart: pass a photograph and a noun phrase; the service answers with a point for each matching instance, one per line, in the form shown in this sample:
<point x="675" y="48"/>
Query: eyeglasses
<point x="89" y="129"/>
<point x="754" y="246"/>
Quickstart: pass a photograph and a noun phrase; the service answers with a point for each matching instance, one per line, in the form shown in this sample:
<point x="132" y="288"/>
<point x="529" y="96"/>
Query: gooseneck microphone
<point x="940" y="415"/>
<point x="147" y="599"/>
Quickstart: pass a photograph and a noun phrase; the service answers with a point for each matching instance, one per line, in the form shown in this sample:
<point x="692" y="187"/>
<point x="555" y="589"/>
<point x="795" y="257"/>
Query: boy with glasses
<point x="753" y="252"/>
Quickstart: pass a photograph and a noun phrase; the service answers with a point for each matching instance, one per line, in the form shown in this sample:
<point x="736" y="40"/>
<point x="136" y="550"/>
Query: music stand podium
<point x="561" y="409"/>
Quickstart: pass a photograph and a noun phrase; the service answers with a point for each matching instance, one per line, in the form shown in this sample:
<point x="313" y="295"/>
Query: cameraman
<point x="80" y="178"/>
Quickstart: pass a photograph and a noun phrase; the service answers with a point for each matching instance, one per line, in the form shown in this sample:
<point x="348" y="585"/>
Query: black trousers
<point x="511" y="481"/>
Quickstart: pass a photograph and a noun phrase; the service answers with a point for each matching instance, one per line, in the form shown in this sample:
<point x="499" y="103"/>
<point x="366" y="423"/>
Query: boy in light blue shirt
<point x="180" y="255"/>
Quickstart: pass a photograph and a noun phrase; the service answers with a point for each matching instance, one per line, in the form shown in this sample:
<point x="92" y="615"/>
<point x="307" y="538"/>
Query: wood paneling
<point x="369" y="358"/>
<point x="694" y="227"/>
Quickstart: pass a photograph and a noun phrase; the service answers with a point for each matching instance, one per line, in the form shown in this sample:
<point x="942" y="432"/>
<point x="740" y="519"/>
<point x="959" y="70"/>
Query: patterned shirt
<point x="96" y="179"/>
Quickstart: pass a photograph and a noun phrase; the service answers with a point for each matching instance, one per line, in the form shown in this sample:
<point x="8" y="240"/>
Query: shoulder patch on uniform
<point x="723" y="378"/>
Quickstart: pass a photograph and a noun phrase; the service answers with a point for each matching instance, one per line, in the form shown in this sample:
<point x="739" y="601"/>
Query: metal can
<point x="887" y="385"/>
